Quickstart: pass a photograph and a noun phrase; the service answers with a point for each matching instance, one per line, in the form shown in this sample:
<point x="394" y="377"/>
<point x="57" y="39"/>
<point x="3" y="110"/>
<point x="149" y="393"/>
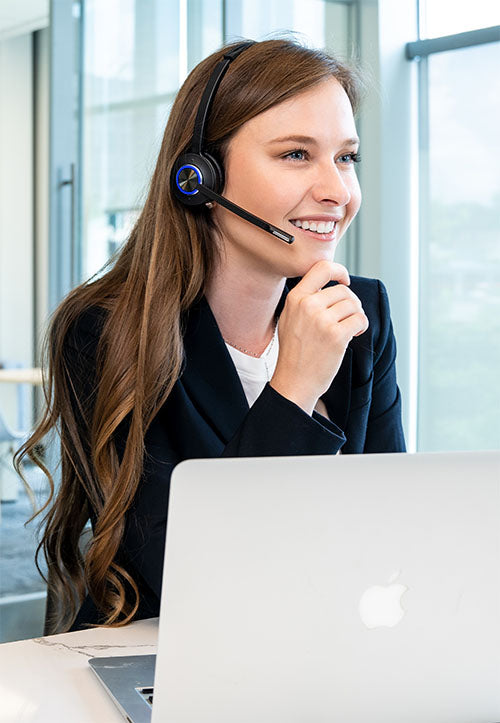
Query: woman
<point x="208" y="336"/>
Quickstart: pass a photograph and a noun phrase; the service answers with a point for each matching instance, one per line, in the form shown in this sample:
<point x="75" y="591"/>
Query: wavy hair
<point x="144" y="292"/>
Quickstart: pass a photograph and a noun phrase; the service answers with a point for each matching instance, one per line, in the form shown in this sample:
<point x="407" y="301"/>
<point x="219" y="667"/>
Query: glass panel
<point x="120" y="148"/>
<point x="131" y="70"/>
<point x="22" y="590"/>
<point x="445" y="17"/>
<point x="318" y="22"/>
<point x="204" y="31"/>
<point x="134" y="61"/>
<point x="25" y="111"/>
<point x="460" y="292"/>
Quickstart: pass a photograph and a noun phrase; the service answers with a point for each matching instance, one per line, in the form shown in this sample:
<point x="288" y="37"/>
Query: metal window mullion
<point x="62" y="153"/>
<point x="183" y="41"/>
<point x="354" y="25"/>
<point x="77" y="269"/>
<point x="423" y="48"/>
<point x="424" y="226"/>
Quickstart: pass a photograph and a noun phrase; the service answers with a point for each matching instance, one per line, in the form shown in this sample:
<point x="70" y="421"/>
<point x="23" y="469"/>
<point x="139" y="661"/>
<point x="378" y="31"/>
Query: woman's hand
<point x="315" y="327"/>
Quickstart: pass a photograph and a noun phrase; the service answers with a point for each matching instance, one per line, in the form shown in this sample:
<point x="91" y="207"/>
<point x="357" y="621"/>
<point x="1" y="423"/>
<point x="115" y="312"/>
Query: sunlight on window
<point x="110" y="43"/>
<point x="445" y="17"/>
<point x="460" y="269"/>
<point x="130" y="76"/>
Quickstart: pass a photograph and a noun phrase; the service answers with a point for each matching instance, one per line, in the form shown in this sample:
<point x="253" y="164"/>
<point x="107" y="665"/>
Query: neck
<point x="244" y="303"/>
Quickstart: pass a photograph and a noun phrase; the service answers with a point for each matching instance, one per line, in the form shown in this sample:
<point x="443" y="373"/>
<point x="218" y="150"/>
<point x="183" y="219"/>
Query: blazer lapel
<point x="210" y="377"/>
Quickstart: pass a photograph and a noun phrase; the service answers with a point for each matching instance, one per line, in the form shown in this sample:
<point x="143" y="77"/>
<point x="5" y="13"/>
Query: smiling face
<point x="293" y="166"/>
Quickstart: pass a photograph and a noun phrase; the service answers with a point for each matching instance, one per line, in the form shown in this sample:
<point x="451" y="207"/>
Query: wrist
<point x="302" y="400"/>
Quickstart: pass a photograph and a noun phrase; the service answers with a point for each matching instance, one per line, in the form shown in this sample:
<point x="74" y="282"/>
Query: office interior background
<point x="85" y="91"/>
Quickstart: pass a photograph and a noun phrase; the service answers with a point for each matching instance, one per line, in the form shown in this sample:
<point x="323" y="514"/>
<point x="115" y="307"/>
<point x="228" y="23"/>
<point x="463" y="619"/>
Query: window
<point x="459" y="330"/>
<point x="445" y="17"/>
<point x="130" y="72"/>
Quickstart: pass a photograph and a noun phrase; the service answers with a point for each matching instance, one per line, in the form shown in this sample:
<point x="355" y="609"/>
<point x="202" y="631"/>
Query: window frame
<point x="417" y="53"/>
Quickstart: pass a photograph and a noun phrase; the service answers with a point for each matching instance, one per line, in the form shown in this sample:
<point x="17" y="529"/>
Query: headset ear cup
<point x="189" y="170"/>
<point x="218" y="173"/>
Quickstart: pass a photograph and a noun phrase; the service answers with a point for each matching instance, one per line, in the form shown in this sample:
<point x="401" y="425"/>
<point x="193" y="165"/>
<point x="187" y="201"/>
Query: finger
<point x="354" y="325"/>
<point x="326" y="298"/>
<point x="343" y="309"/>
<point x="319" y="275"/>
<point x="331" y="295"/>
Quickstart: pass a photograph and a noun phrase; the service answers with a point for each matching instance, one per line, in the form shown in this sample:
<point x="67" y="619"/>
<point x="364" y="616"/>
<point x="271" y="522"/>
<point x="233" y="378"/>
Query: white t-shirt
<point x="255" y="372"/>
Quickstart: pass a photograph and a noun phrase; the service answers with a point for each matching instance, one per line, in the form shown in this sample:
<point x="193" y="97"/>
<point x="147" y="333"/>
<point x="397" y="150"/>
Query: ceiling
<point x="22" y="16"/>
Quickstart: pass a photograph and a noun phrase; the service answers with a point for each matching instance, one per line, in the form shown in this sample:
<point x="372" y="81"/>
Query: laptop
<point x="326" y="588"/>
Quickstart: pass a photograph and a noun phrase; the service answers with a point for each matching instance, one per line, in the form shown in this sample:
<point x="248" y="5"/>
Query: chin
<point x="302" y="266"/>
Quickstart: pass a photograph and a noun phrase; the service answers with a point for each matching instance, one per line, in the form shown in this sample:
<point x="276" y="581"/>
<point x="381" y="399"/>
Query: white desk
<point x="21" y="376"/>
<point x="49" y="679"/>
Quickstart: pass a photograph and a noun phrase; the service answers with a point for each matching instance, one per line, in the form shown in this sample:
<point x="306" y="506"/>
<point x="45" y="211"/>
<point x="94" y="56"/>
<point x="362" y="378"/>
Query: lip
<point x="317" y="217"/>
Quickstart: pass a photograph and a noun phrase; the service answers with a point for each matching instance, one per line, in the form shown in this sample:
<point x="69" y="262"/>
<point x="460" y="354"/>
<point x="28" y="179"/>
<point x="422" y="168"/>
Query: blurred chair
<point x="12" y="440"/>
<point x="22" y="393"/>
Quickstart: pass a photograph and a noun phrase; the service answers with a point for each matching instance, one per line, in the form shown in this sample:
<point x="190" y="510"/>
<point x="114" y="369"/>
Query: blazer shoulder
<point x="373" y="296"/>
<point x="371" y="292"/>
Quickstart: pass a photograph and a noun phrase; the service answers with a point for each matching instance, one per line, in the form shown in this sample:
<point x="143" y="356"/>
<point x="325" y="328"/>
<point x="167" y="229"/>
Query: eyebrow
<point x="308" y="139"/>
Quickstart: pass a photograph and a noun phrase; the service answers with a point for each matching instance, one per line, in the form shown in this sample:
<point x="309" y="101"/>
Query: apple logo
<point x="380" y="605"/>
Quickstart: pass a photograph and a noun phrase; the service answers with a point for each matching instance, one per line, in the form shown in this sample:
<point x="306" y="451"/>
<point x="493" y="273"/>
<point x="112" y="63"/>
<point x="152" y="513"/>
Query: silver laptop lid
<point x="346" y="588"/>
<point x="128" y="679"/>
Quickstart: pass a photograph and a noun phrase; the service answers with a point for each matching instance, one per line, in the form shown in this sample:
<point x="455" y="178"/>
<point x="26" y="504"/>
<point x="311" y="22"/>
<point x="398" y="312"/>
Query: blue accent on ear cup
<point x="192" y="169"/>
<point x="187" y="178"/>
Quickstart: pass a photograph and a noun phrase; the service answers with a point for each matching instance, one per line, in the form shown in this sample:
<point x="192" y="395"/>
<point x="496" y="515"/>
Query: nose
<point x="330" y="186"/>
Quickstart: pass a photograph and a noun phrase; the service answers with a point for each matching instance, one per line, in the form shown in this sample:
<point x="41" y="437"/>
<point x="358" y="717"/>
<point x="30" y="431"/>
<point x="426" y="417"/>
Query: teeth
<point x="318" y="227"/>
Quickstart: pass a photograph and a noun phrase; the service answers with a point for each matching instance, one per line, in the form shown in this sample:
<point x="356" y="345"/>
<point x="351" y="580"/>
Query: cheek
<point x="242" y="170"/>
<point x="256" y="189"/>
<point x="244" y="184"/>
<point x="282" y="192"/>
<point x="355" y="201"/>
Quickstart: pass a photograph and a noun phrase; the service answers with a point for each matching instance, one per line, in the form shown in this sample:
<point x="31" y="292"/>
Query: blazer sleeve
<point x="276" y="426"/>
<point x="384" y="429"/>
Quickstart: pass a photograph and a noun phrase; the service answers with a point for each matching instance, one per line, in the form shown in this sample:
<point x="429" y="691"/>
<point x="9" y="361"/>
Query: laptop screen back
<point x="341" y="588"/>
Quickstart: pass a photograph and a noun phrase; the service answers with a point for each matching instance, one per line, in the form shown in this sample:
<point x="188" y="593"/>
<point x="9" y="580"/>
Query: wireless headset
<point x="197" y="176"/>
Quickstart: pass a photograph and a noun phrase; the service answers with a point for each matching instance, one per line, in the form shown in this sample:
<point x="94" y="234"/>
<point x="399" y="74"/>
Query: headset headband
<point x="197" y="142"/>
<point x="197" y="176"/>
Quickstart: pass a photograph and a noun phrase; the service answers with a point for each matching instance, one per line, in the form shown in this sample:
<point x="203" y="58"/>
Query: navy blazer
<point x="207" y="415"/>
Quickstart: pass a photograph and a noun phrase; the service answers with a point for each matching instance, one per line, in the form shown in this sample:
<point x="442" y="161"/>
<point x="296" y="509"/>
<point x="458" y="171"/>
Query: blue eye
<point x="350" y="158"/>
<point x="299" y="154"/>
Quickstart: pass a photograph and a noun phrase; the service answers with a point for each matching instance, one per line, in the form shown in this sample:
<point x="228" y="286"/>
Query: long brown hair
<point x="143" y="294"/>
